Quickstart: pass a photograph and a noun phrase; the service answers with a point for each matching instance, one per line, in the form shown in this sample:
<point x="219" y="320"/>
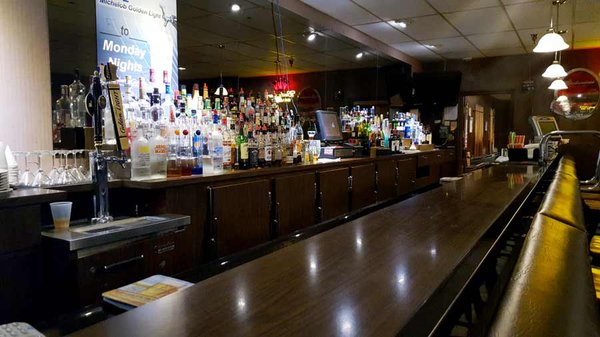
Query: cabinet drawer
<point x="171" y="253"/>
<point x="426" y="159"/>
<point x="111" y="268"/>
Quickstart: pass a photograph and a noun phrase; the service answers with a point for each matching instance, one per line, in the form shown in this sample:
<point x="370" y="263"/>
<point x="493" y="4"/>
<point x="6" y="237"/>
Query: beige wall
<point x="25" y="109"/>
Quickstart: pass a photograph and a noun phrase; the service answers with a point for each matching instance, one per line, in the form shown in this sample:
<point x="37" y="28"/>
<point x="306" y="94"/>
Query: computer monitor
<point x="330" y="129"/>
<point x="543" y="125"/>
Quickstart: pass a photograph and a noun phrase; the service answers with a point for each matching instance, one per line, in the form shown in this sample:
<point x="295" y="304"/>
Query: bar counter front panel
<point x="367" y="277"/>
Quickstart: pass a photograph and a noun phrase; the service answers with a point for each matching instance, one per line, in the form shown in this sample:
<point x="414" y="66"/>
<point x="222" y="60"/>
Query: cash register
<point x="330" y="133"/>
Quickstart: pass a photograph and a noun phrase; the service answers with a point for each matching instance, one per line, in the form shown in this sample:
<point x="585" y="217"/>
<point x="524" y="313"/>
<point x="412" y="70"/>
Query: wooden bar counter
<point x="368" y="277"/>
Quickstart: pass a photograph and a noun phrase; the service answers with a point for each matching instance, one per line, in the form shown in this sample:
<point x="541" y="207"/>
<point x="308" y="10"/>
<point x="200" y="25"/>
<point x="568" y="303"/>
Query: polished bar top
<point x="28" y="196"/>
<point x="367" y="277"/>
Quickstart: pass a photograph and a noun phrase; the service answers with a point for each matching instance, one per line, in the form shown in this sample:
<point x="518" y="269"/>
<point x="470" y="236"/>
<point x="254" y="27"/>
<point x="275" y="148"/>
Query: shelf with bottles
<point x="362" y="126"/>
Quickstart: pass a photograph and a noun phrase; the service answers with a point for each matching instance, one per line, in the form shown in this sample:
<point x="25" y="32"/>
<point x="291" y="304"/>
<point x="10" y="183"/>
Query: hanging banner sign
<point x="138" y="36"/>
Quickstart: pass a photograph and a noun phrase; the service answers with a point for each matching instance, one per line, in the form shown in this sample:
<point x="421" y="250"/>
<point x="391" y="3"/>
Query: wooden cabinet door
<point x="363" y="186"/>
<point x="407" y="169"/>
<point x="240" y="216"/>
<point x="386" y="180"/>
<point x="295" y="202"/>
<point x="333" y="193"/>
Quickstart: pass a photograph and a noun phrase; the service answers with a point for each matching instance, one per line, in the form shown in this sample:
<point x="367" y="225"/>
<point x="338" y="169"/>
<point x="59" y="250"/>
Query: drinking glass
<point x="65" y="177"/>
<point x="74" y="169"/>
<point x="26" y="177"/>
<point x="40" y="179"/>
<point x="54" y="173"/>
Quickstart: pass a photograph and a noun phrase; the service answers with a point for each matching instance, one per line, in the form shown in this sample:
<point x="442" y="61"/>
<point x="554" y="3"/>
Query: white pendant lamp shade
<point x="558" y="84"/>
<point x="221" y="91"/>
<point x="550" y="42"/>
<point x="555" y="70"/>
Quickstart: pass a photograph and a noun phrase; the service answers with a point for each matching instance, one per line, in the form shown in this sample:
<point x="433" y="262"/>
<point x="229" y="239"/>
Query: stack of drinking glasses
<point x="52" y="168"/>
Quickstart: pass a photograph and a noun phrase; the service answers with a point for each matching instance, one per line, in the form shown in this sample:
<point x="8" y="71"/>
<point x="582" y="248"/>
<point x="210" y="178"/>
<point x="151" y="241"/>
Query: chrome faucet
<point x="95" y="103"/>
<point x="557" y="134"/>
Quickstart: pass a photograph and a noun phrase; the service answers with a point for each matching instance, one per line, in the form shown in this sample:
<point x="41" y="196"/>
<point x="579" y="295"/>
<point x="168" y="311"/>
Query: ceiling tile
<point x="479" y="21"/>
<point x="394" y="9"/>
<point x="510" y="2"/>
<point x="459" y="55"/>
<point x="221" y="7"/>
<point x="503" y="51"/>
<point x="587" y="11"/>
<point x="416" y="50"/>
<point x="453" y="44"/>
<point x="536" y="14"/>
<point x="429" y="27"/>
<point x="495" y="40"/>
<point x="343" y="10"/>
<point x="384" y="32"/>
<point x="447" y="6"/>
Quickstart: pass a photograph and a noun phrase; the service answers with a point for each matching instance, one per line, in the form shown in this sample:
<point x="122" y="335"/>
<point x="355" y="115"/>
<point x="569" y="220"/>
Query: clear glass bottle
<point x="216" y="148"/>
<point x="158" y="153"/>
<point x="78" y="109"/>
<point x="140" y="156"/>
<point x="252" y="150"/>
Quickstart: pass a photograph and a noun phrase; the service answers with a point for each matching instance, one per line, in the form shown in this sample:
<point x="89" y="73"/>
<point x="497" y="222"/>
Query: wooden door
<point x="407" y="170"/>
<point x="240" y="216"/>
<point x="362" y="186"/>
<point x="386" y="179"/>
<point x="333" y="193"/>
<point x="295" y="202"/>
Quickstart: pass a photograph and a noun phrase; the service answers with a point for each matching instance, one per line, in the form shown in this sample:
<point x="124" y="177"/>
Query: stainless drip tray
<point x="89" y="235"/>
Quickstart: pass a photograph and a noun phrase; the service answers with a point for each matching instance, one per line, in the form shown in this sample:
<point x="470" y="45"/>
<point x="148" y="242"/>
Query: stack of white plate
<point x="4" y="186"/>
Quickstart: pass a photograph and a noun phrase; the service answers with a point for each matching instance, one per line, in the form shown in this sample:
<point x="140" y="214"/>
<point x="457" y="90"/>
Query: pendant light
<point x="552" y="41"/>
<point x="555" y="70"/>
<point x="558" y="84"/>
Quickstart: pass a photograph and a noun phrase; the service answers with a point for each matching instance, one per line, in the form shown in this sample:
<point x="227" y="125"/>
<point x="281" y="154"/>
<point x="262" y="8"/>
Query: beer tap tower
<point x="96" y="102"/>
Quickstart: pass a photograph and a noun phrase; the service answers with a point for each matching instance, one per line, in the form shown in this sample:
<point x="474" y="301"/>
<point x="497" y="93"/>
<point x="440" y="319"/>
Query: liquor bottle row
<point x="171" y="136"/>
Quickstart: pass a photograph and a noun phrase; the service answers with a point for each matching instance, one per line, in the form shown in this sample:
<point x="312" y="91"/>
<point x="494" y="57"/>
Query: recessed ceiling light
<point x="360" y="55"/>
<point x="182" y="68"/>
<point x="311" y="36"/>
<point x="400" y="23"/>
<point x="235" y="8"/>
<point x="430" y="46"/>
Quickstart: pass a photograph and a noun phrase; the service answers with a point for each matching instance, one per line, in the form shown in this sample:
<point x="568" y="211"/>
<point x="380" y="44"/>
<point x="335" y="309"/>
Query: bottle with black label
<point x="252" y="150"/>
<point x="242" y="150"/>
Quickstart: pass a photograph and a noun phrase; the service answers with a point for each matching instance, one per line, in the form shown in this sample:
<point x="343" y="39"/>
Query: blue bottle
<point x="197" y="152"/>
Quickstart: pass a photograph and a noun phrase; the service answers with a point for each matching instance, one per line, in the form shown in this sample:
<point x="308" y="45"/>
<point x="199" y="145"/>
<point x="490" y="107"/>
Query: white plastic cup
<point x="61" y="214"/>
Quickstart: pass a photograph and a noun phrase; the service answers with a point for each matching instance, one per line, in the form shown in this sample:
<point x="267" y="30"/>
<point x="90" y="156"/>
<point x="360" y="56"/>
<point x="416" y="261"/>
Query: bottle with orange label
<point x="158" y="154"/>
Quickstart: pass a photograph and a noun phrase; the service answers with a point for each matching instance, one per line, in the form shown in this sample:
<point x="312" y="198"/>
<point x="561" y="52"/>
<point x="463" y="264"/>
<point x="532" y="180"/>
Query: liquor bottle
<point x="140" y="156"/>
<point x="205" y="91"/>
<point x="77" y="96"/>
<point x="277" y="151"/>
<point x="299" y="141"/>
<point x="156" y="111"/>
<point x="182" y="101"/>
<point x="227" y="164"/>
<point x="197" y="151"/>
<point x="173" y="133"/>
<point x="260" y="139"/>
<point x="63" y="105"/>
<point x="242" y="107"/>
<point x="268" y="149"/>
<point x="158" y="154"/>
<point x="185" y="151"/>
<point x="143" y="102"/>
<point x="216" y="148"/>
<point x="252" y="150"/>
<point x="168" y="106"/>
<point x="242" y="150"/>
<point x="195" y="100"/>
<point x="233" y="147"/>
<point x="165" y="80"/>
